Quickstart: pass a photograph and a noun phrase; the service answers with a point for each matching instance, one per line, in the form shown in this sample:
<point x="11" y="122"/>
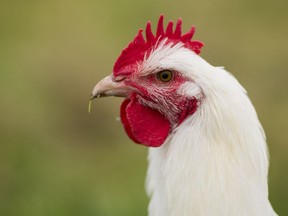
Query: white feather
<point x="216" y="162"/>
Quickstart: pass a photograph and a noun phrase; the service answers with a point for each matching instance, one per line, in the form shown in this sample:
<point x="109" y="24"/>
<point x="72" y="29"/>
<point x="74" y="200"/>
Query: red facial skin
<point x="150" y="115"/>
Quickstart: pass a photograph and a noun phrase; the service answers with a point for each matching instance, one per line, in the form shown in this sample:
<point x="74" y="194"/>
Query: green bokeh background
<point x="55" y="158"/>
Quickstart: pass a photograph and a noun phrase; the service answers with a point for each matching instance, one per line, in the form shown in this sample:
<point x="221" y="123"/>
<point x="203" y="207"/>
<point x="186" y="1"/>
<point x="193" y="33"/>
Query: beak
<point x="110" y="87"/>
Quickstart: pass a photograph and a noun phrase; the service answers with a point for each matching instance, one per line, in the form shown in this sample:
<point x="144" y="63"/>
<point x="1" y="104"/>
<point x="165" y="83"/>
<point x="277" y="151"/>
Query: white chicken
<point x="208" y="153"/>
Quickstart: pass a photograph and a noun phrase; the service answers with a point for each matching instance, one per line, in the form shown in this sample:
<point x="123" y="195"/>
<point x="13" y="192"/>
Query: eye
<point x="165" y="75"/>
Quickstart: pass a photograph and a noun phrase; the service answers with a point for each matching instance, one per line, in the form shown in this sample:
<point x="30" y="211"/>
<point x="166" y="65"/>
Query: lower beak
<point x="109" y="87"/>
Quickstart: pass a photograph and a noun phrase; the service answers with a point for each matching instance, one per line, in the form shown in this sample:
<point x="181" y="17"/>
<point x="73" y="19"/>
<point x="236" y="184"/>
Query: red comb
<point x="138" y="48"/>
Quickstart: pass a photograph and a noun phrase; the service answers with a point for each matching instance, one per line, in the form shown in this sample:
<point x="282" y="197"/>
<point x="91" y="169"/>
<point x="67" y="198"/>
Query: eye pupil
<point x="165" y="76"/>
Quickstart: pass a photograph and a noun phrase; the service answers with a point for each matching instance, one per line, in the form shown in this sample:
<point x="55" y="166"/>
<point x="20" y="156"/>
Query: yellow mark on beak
<point x="89" y="106"/>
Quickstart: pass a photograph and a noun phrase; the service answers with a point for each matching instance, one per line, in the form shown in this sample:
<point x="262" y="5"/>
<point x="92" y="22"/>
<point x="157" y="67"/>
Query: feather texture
<point x="216" y="161"/>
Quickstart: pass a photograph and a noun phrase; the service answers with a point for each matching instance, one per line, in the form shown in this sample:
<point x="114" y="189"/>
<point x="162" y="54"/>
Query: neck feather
<point x="214" y="163"/>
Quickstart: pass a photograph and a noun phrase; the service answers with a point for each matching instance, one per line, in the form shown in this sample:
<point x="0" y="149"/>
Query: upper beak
<point x="110" y="87"/>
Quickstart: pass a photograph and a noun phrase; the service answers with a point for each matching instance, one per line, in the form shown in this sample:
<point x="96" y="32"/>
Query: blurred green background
<point x="55" y="158"/>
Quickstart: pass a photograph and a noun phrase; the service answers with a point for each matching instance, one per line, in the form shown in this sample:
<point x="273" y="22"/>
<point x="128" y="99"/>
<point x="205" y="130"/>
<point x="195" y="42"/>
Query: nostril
<point x="119" y="78"/>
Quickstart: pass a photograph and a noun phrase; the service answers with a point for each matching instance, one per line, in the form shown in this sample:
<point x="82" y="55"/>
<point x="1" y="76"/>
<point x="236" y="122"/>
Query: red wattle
<point x="142" y="124"/>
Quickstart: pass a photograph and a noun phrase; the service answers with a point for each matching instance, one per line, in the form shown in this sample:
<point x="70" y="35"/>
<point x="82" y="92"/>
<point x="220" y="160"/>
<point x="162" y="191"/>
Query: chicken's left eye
<point x="165" y="75"/>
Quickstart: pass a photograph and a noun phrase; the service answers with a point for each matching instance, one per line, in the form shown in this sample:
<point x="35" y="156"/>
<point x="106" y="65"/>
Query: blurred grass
<point x="55" y="158"/>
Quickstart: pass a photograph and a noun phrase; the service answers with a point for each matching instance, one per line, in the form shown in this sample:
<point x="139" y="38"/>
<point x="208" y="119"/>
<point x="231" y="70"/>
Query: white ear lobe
<point x="190" y="89"/>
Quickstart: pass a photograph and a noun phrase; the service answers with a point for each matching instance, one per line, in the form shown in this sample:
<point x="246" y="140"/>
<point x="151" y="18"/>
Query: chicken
<point x="208" y="152"/>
